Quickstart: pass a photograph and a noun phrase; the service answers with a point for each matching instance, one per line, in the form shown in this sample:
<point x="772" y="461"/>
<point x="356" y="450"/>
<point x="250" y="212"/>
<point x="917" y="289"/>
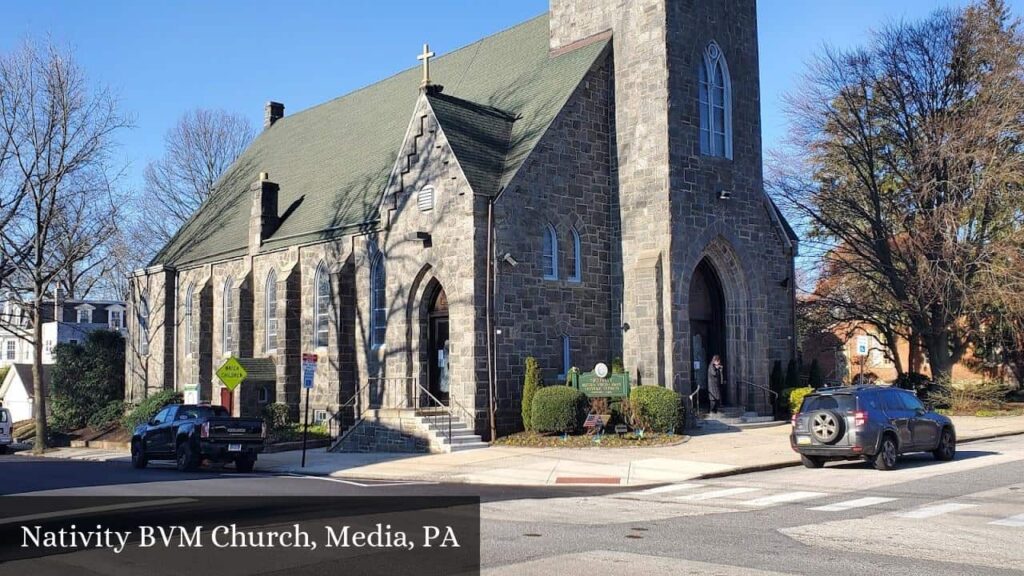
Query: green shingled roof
<point x="332" y="161"/>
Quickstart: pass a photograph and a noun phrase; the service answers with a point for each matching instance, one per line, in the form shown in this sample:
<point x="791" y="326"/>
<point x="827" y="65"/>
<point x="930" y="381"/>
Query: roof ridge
<point x="473" y="44"/>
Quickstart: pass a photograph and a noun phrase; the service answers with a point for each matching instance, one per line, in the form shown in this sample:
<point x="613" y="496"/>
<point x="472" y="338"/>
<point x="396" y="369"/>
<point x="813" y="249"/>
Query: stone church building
<point x="581" y="187"/>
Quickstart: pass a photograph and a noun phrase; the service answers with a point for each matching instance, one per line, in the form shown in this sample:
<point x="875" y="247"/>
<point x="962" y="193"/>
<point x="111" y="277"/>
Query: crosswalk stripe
<point x="782" y="498"/>
<point x="717" y="494"/>
<point x="1013" y="521"/>
<point x="669" y="488"/>
<point x="937" y="510"/>
<point x="851" y="504"/>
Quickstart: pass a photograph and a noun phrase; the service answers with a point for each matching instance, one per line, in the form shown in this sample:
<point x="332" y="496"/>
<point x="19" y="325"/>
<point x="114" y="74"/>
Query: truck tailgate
<point x="235" y="429"/>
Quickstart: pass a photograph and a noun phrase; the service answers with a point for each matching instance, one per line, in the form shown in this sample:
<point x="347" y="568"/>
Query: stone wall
<point x="566" y="182"/>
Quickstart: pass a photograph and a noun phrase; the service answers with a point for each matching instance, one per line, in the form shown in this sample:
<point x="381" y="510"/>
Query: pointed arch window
<point x="378" y="301"/>
<point x="228" y="321"/>
<point x="189" y="330"/>
<point x="715" y="102"/>
<point x="566" y="357"/>
<point x="271" y="311"/>
<point x="143" y="318"/>
<point x="576" y="258"/>
<point x="322" y="310"/>
<point x="549" y="253"/>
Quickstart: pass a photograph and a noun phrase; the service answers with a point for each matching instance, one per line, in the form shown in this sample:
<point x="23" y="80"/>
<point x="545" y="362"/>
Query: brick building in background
<point x="584" y="186"/>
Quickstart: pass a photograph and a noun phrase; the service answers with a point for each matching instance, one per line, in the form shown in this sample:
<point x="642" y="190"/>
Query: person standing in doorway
<point x="716" y="378"/>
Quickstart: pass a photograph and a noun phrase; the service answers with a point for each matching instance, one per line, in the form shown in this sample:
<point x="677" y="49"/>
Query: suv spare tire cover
<point x="827" y="426"/>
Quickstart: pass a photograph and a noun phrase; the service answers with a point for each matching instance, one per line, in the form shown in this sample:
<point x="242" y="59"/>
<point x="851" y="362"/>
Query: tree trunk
<point x="39" y="401"/>
<point x="939" y="356"/>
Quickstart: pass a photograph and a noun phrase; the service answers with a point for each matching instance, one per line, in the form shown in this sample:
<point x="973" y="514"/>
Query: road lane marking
<point x="1013" y="521"/>
<point x="93" y="509"/>
<point x="937" y="510"/>
<point x="851" y="504"/>
<point x="668" y="488"/>
<point x="717" y="494"/>
<point x="783" y="498"/>
<point x="358" y="484"/>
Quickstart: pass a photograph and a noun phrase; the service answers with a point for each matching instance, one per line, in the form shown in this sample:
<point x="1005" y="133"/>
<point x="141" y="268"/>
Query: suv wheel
<point x="812" y="461"/>
<point x="826" y="426"/>
<point x="186" y="459"/>
<point x="888" y="454"/>
<point x="946" y="450"/>
<point x="139" y="459"/>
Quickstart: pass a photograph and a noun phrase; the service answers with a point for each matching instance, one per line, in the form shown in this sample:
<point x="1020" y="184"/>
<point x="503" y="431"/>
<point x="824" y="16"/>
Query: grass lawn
<point x="630" y="440"/>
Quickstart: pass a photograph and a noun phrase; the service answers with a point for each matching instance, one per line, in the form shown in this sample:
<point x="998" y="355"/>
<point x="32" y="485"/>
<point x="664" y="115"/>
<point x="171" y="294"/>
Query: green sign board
<point x="611" y="386"/>
<point x="231" y="374"/>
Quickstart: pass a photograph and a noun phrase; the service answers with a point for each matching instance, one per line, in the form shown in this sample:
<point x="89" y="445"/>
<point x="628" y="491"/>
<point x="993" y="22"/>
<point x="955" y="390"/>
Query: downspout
<point x="491" y="281"/>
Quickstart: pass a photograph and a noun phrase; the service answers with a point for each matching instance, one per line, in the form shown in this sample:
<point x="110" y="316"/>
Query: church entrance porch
<point x="708" y="334"/>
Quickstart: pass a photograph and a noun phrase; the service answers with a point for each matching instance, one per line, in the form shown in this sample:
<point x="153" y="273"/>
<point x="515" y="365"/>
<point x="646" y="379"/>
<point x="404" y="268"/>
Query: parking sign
<point x="308" y="370"/>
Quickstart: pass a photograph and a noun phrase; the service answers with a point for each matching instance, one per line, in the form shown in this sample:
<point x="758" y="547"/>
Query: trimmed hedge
<point x="791" y="398"/>
<point x="559" y="409"/>
<point x="531" y="383"/>
<point x="149" y="407"/>
<point x="658" y="406"/>
<point x="277" y="416"/>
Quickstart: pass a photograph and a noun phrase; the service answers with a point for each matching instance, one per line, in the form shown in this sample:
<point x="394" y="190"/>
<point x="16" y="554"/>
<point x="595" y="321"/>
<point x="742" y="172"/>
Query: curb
<point x="780" y="465"/>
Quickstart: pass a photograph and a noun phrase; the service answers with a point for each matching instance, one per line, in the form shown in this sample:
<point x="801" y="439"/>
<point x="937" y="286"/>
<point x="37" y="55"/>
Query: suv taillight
<point x="793" y="419"/>
<point x="263" y="430"/>
<point x="204" y="432"/>
<point x="860" y="418"/>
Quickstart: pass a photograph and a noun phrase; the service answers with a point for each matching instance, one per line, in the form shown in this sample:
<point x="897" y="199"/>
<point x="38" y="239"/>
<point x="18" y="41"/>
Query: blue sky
<point x="163" y="58"/>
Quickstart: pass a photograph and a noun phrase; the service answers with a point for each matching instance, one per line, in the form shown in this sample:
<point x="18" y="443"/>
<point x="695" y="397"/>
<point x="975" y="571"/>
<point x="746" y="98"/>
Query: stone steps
<point x="408" y="430"/>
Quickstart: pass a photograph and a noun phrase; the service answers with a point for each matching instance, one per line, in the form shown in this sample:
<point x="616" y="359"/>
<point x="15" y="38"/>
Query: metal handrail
<point x="763" y="388"/>
<point x="408" y="395"/>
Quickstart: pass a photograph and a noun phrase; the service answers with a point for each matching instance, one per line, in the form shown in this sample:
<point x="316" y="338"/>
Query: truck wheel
<point x="187" y="460"/>
<point x="888" y="454"/>
<point x="812" y="461"/>
<point x="139" y="459"/>
<point x="245" y="464"/>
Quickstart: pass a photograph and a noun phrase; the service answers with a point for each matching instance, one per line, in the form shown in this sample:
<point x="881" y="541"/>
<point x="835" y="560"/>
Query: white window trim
<point x="423" y="192"/>
<point x="189" y="319"/>
<point x="378" y="334"/>
<point x="11" y="350"/>
<point x="577" y="272"/>
<point x="111" y="310"/>
<point x="271" y="288"/>
<point x="226" y="323"/>
<point x="566" y="357"/>
<point x="713" y="55"/>
<point x="550" y="273"/>
<point x="143" y="319"/>
<point x="87" y="309"/>
<point x="320" y="275"/>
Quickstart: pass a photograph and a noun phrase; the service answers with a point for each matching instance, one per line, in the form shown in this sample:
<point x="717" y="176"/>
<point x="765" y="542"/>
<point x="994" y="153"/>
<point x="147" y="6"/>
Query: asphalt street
<point x="961" y="517"/>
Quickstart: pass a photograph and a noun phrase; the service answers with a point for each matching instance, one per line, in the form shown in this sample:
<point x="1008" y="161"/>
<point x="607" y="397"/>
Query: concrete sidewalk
<point x="701" y="455"/>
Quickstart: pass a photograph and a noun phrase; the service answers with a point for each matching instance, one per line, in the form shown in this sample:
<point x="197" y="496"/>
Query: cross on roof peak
<point x="425" y="57"/>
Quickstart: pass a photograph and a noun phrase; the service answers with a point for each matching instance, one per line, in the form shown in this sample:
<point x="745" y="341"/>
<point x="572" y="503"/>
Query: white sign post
<point x="308" y="373"/>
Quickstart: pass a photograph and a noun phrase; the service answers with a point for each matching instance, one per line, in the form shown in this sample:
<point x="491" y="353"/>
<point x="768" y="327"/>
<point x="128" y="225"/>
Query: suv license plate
<point x="803" y="440"/>
<point x="234" y="447"/>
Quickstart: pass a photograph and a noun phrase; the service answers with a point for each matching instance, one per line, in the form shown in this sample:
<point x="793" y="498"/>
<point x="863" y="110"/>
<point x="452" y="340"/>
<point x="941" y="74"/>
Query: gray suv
<point x="870" y="422"/>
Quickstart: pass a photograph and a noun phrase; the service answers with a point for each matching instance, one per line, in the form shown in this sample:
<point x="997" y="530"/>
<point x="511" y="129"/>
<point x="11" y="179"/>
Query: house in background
<point x="17" y="390"/>
<point x="64" y="321"/>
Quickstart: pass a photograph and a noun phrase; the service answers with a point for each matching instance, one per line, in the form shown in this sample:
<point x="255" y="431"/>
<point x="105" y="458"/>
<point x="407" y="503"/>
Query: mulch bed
<point x="630" y="440"/>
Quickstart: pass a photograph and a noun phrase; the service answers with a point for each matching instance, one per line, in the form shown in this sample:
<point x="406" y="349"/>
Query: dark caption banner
<point x="226" y="536"/>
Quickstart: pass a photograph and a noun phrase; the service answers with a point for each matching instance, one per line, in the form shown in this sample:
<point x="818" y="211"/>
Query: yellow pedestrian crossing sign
<point x="231" y="374"/>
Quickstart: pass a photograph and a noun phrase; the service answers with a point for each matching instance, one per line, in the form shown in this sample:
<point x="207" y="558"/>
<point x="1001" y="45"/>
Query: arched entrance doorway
<point x="438" y="348"/>
<point x="707" y="328"/>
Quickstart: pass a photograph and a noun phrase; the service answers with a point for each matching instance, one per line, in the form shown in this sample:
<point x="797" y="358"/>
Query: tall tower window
<point x="228" y="324"/>
<point x="549" y="253"/>
<point x="271" y="308"/>
<point x="378" y="301"/>
<point x="189" y="330"/>
<point x="321" y="324"/>
<point x="715" y="103"/>
<point x="577" y="265"/>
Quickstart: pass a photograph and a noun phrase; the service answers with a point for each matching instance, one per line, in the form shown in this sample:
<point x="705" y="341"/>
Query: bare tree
<point x="59" y="135"/>
<point x="197" y="152"/>
<point x="907" y="171"/>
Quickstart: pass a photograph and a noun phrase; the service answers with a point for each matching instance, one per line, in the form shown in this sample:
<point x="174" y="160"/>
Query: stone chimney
<point x="264" y="217"/>
<point x="272" y="112"/>
<point x="58" y="304"/>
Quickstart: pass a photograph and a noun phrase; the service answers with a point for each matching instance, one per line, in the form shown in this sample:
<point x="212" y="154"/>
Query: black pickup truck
<point x="190" y="433"/>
